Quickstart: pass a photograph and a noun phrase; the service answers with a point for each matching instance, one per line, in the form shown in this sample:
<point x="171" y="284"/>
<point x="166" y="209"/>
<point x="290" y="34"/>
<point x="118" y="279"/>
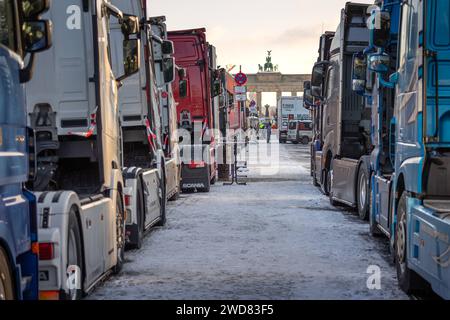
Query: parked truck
<point x="22" y="34"/>
<point x="289" y="108"/>
<point x="346" y="120"/>
<point x="73" y="110"/>
<point x="167" y="106"/>
<point x="316" y="109"/>
<point x="410" y="99"/>
<point x="196" y="110"/>
<point x="140" y="114"/>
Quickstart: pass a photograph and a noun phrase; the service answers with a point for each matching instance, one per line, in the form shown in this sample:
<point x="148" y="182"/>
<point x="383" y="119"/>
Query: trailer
<point x="346" y="127"/>
<point x="140" y="114"/>
<point x="19" y="249"/>
<point x="168" y="107"/>
<point x="73" y="110"/>
<point x="196" y="109"/>
<point x="410" y="200"/>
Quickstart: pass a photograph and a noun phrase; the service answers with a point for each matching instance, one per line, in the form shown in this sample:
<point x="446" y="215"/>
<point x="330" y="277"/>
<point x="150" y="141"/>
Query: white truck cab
<point x="73" y="110"/>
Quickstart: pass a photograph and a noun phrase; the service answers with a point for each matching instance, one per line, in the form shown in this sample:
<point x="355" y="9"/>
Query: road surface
<point x="275" y="238"/>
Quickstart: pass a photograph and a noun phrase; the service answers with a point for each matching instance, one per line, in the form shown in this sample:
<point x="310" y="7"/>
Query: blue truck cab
<point x="410" y="97"/>
<point x="21" y="33"/>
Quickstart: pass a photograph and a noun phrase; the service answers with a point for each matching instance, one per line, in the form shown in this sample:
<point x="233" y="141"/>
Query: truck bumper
<point x="429" y="242"/>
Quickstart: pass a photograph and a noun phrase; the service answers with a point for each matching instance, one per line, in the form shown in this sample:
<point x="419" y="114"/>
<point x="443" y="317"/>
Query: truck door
<point x="329" y="107"/>
<point x="110" y="129"/>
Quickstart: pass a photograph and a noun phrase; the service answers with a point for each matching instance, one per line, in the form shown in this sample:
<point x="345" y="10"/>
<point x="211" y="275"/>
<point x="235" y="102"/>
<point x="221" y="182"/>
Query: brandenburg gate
<point x="269" y="79"/>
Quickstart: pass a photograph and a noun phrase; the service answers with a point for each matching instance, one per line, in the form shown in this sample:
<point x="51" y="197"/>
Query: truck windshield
<point x="441" y="24"/>
<point x="7" y="24"/>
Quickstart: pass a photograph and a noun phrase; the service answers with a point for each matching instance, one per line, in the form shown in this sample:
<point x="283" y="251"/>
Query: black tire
<point x="120" y="234"/>
<point x="363" y="193"/>
<point x="408" y="280"/>
<point x="324" y="187"/>
<point x="140" y="218"/>
<point x="6" y="279"/>
<point x="315" y="182"/>
<point x="175" y="197"/>
<point x="162" y="200"/>
<point x="74" y="253"/>
<point x="305" y="140"/>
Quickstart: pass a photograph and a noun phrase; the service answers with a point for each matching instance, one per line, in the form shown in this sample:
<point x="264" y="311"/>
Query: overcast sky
<point x="243" y="30"/>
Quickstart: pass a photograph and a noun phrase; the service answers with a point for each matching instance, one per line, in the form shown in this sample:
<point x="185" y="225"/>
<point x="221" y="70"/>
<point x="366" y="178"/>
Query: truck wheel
<point x="175" y="197"/>
<point x="140" y="218"/>
<point x="6" y="280"/>
<point x="315" y="182"/>
<point x="74" y="253"/>
<point x="363" y="193"/>
<point x="324" y="188"/>
<point x="162" y="200"/>
<point x="120" y="234"/>
<point x="408" y="280"/>
<point x="305" y="140"/>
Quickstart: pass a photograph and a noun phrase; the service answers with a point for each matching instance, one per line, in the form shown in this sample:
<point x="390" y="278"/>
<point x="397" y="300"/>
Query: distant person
<point x="269" y="131"/>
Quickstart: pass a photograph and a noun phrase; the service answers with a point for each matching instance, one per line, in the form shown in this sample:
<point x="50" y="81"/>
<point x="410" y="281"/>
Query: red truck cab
<point x="195" y="111"/>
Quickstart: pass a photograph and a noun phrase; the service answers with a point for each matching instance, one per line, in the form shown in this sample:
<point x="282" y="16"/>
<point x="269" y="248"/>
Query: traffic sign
<point x="241" y="97"/>
<point x="240" y="78"/>
<point x="240" y="89"/>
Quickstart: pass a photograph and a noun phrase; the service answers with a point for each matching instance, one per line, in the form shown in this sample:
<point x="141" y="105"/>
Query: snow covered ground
<point x="275" y="238"/>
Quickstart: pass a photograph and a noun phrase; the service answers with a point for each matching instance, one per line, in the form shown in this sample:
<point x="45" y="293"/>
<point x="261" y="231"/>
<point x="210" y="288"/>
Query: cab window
<point x="7" y="30"/>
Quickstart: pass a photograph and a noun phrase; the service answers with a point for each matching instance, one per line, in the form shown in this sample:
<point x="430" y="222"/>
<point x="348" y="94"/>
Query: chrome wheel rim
<point x="401" y="242"/>
<point x="362" y="191"/>
<point x="72" y="260"/>
<point x="2" y="286"/>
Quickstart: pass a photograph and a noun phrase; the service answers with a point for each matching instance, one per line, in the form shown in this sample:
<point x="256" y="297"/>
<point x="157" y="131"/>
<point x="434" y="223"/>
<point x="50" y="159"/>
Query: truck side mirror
<point x="131" y="57"/>
<point x="307" y="95"/>
<point x="379" y="62"/>
<point x="183" y="86"/>
<point x="169" y="69"/>
<point x="216" y="88"/>
<point x="380" y="28"/>
<point x="36" y="35"/>
<point x="33" y="8"/>
<point x="359" y="73"/>
<point x="130" y="25"/>
<point x="182" y="73"/>
<point x="167" y="47"/>
<point x="317" y="77"/>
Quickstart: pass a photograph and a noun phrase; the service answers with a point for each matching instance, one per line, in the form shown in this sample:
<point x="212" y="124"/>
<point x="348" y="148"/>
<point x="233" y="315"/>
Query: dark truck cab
<point x="346" y="120"/>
